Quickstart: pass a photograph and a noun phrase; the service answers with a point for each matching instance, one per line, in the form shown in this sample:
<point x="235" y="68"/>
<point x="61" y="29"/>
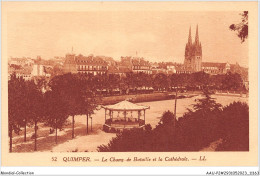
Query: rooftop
<point x="126" y="105"/>
<point x="213" y="64"/>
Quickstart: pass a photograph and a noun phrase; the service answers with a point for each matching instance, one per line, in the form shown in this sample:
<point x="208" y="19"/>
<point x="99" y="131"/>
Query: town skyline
<point x="149" y="35"/>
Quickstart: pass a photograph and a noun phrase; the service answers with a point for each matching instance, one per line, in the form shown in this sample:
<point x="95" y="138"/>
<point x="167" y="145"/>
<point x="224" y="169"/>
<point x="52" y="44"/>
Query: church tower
<point x="193" y="53"/>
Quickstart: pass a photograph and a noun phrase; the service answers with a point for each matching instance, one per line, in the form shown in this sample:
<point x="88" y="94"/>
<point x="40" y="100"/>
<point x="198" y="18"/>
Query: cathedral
<point x="193" y="53"/>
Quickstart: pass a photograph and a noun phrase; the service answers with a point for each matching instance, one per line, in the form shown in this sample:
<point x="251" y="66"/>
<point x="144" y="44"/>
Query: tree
<point x="27" y="108"/>
<point x="242" y="27"/>
<point x="36" y="104"/>
<point x="216" y="81"/>
<point x="88" y="106"/>
<point x="55" y="111"/>
<point x="25" y="105"/>
<point x="200" y="79"/>
<point x="167" y="118"/>
<point x="40" y="86"/>
<point x="232" y="81"/>
<point x="175" y="80"/>
<point x="128" y="141"/>
<point x="161" y="82"/>
<point x="98" y="83"/>
<point x="69" y="89"/>
<point x="88" y="98"/>
<point x="180" y="80"/>
<point x="235" y="127"/>
<point x="113" y="83"/>
<point x="200" y="125"/>
<point x="16" y="103"/>
<point x="57" y="70"/>
<point x="140" y="79"/>
<point x="148" y="80"/>
<point x="129" y="79"/>
<point x="78" y="92"/>
<point x="206" y="104"/>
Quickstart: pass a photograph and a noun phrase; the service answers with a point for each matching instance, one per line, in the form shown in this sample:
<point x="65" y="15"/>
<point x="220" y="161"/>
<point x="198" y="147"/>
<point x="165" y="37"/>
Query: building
<point x="21" y="61"/>
<point x="163" y="67"/>
<point x="170" y="67"/>
<point x="28" y="68"/>
<point x="23" y="72"/>
<point x="70" y="64"/>
<point x="193" y="53"/>
<point x="215" y="68"/>
<point x="85" y="64"/>
<point x="125" y="62"/>
<point x="135" y="64"/>
<point x="181" y="69"/>
<point x="118" y="70"/>
<point x="41" y="68"/>
<point x="236" y="68"/>
<point x="141" y="65"/>
<point x="59" y="60"/>
<point x="109" y="60"/>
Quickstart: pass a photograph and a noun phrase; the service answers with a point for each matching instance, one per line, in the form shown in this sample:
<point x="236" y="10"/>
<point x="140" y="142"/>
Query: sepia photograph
<point x="127" y="80"/>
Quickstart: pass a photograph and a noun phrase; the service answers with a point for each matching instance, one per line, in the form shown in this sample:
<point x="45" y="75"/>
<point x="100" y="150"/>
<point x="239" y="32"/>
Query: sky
<point x="155" y="35"/>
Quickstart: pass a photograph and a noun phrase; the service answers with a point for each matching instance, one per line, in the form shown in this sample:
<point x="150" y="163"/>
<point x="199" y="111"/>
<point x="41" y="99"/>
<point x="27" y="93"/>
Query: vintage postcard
<point x="129" y="84"/>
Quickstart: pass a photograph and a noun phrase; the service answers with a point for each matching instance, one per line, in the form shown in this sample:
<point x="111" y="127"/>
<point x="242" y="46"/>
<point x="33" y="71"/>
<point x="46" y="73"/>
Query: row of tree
<point x="30" y="104"/>
<point x="141" y="82"/>
<point x="206" y="123"/>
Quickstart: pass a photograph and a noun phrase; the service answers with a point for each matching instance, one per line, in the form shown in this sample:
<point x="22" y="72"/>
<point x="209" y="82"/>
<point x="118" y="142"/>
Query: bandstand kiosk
<point x="124" y="115"/>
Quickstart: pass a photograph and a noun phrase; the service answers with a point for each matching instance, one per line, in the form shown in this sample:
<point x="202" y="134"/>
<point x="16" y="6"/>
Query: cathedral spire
<point x="197" y="36"/>
<point x="190" y="39"/>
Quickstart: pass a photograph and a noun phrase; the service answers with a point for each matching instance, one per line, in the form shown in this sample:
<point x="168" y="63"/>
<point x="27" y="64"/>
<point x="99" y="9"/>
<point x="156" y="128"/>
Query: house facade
<point x="85" y="64"/>
<point x="215" y="68"/>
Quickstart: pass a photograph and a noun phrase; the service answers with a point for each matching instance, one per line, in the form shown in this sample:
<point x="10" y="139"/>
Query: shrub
<point x="235" y="127"/>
